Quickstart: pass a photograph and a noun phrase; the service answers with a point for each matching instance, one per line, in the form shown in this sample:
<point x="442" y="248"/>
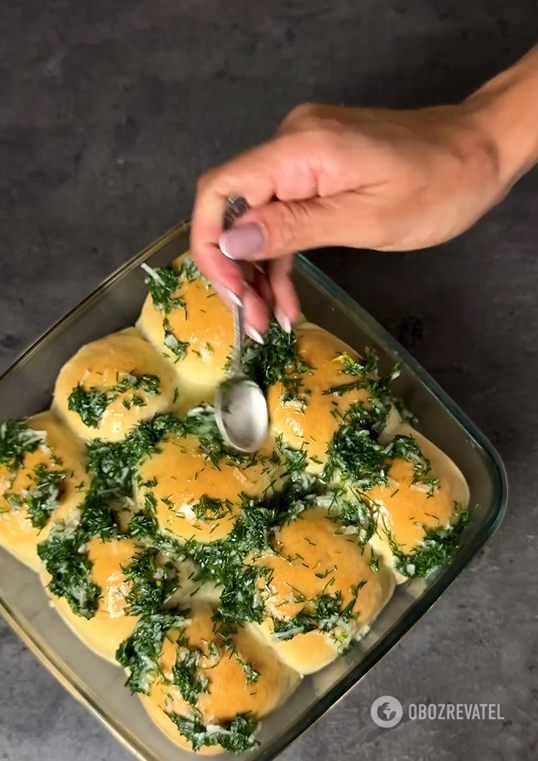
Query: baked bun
<point x="310" y="418"/>
<point x="425" y="493"/>
<point x="190" y="325"/>
<point x="322" y="592"/>
<point x="111" y="623"/>
<point x="112" y="384"/>
<point x="42" y="480"/>
<point x="195" y="497"/>
<point x="206" y="680"/>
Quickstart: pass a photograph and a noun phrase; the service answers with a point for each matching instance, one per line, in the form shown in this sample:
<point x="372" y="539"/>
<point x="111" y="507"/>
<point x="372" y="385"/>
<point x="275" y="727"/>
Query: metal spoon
<point x="240" y="405"/>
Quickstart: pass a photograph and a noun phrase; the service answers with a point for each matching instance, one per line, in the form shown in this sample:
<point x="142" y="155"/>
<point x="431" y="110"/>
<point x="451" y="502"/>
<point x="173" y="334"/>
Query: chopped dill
<point x="435" y="549"/>
<point x="91" y="403"/>
<point x="177" y="347"/>
<point x="407" y="448"/>
<point x="235" y="736"/>
<point x="325" y="613"/>
<point x="141" y="652"/>
<point x="190" y="680"/>
<point x="277" y="359"/>
<point x="42" y="497"/>
<point x="16" y="440"/>
<point x="152" y="583"/>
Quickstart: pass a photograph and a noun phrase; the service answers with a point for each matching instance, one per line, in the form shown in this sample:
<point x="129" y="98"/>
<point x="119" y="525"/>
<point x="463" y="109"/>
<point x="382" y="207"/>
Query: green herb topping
<point x="165" y="284"/>
<point x="187" y="676"/>
<point x="152" y="582"/>
<point x="365" y="371"/>
<point x="64" y="554"/>
<point x="434" y="550"/>
<point x="70" y="570"/>
<point x="354" y="453"/>
<point x="141" y="652"/>
<point x="42" y="496"/>
<point x="352" y="512"/>
<point x="277" y="359"/>
<point x="16" y="440"/>
<point x="325" y="613"/>
<point x="91" y="403"/>
<point x="250" y="672"/>
<point x="177" y="347"/>
<point x="235" y="736"/>
<point x="407" y="448"/>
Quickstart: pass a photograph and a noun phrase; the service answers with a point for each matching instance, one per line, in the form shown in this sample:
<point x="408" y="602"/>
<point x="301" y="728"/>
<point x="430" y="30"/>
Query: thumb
<point x="285" y="227"/>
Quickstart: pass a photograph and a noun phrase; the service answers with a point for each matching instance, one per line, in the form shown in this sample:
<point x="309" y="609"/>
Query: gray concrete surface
<point x="108" y="111"/>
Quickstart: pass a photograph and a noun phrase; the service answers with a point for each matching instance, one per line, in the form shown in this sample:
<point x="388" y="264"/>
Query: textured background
<point x="109" y="109"/>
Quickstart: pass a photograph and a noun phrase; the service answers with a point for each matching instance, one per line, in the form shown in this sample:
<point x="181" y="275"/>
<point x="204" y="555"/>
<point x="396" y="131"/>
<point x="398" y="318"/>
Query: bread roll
<point x="194" y="331"/>
<point x="406" y="506"/>
<point x="324" y="583"/>
<point x="42" y="481"/>
<point x="310" y="421"/>
<point x="231" y="674"/>
<point x="196" y="498"/>
<point x="111" y="623"/>
<point x="112" y="384"/>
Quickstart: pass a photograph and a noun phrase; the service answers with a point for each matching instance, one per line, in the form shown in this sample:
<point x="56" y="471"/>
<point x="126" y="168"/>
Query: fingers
<point x="282" y="228"/>
<point x="286" y="302"/>
<point x="306" y="189"/>
<point x="213" y="191"/>
<point x="274" y="291"/>
<point x="257" y="300"/>
<point x="255" y="315"/>
<point x="283" y="168"/>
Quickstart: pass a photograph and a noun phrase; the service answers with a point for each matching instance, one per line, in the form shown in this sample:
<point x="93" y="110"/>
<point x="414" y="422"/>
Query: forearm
<point x="507" y="110"/>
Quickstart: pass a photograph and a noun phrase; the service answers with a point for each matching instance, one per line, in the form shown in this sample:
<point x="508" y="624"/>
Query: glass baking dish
<point x="26" y="388"/>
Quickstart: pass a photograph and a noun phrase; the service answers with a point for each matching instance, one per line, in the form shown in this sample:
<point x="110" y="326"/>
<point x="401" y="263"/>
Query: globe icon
<point x="386" y="711"/>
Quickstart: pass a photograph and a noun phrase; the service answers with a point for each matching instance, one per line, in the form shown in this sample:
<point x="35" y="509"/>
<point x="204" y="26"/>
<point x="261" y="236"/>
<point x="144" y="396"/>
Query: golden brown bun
<point x="205" y="323"/>
<point x="110" y="625"/>
<point x="313" y="424"/>
<point x="59" y="452"/>
<point x="315" y="557"/>
<point x="102" y="365"/>
<point x="404" y="508"/>
<point x="184" y="477"/>
<point x="229" y="692"/>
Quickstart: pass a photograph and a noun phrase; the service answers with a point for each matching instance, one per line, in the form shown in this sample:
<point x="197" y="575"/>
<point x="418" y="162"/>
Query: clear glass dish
<point x="26" y="388"/>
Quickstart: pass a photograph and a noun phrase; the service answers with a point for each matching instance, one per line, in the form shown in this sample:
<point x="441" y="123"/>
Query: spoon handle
<point x="235" y="366"/>
<point x="235" y="208"/>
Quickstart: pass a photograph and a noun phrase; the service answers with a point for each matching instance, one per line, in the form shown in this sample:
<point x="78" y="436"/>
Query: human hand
<point x="332" y="176"/>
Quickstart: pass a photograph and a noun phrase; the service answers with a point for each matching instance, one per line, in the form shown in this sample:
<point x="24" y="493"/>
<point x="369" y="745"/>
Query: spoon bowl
<point x="241" y="413"/>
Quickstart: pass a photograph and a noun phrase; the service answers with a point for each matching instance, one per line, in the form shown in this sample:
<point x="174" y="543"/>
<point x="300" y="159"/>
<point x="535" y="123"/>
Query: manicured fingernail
<point x="283" y="320"/>
<point x="253" y="333"/>
<point x="243" y="241"/>
<point x="229" y="296"/>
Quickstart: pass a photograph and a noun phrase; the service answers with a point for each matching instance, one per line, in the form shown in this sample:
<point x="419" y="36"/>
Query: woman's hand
<point x="363" y="178"/>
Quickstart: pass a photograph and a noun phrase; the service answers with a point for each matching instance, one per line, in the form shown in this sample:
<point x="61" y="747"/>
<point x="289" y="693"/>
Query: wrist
<point x="505" y="112"/>
<point x="478" y="153"/>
